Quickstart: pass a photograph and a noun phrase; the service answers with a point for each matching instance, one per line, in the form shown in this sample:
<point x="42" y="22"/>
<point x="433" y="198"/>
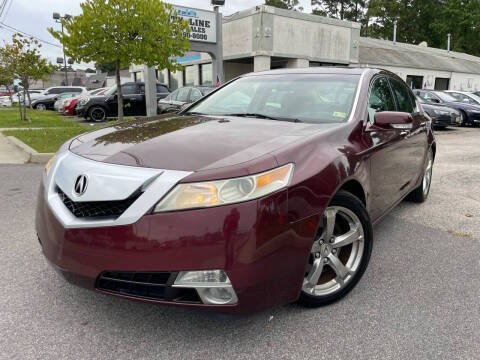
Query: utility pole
<point x="395" y="32"/>
<point x="58" y="19"/>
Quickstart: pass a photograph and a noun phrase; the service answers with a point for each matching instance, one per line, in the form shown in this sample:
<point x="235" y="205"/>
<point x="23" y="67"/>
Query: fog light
<point x="213" y="286"/>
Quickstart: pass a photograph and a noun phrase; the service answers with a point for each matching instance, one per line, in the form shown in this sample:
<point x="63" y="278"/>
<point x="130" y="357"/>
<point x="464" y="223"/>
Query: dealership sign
<point x="202" y="23"/>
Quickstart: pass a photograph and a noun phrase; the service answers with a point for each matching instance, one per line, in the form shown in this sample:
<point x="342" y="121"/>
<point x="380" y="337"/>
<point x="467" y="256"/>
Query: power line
<point x="2" y="7"/>
<point x="8" y="9"/>
<point x="12" y="29"/>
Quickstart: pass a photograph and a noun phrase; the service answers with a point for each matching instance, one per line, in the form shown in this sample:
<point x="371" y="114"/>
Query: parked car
<point x="70" y="106"/>
<point x="5" y="101"/>
<point x="34" y="94"/>
<point x="470" y="113"/>
<point x="465" y="96"/>
<point x="59" y="103"/>
<point x="181" y="97"/>
<point x="50" y="95"/>
<point x="442" y="116"/>
<point x="98" y="92"/>
<point x="264" y="192"/>
<point x="99" y="108"/>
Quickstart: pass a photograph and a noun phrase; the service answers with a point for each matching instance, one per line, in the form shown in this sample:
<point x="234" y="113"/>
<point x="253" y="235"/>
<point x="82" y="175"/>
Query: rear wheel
<point x="464" y="118"/>
<point x="340" y="254"/>
<point x="420" y="194"/>
<point x="40" y="106"/>
<point x="97" y="114"/>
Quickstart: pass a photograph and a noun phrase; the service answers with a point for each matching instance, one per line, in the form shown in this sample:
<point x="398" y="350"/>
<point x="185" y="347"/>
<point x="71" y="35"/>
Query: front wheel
<point x="340" y="254"/>
<point x="41" y="107"/>
<point x="97" y="114"/>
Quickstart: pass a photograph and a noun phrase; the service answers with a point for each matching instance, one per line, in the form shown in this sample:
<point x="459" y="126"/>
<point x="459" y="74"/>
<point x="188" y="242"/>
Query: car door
<point x="415" y="141"/>
<point x="133" y="100"/>
<point x="387" y="161"/>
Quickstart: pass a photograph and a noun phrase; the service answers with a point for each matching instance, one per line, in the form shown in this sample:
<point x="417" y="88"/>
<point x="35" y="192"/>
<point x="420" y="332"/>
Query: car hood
<point x="190" y="143"/>
<point x="464" y="106"/>
<point x="438" y="107"/>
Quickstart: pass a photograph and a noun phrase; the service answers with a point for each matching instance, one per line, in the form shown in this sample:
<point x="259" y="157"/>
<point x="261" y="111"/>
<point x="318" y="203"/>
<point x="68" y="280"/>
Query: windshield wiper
<point x="263" y="116"/>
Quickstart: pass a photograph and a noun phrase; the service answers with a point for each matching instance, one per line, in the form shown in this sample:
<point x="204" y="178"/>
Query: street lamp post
<point x="58" y="18"/>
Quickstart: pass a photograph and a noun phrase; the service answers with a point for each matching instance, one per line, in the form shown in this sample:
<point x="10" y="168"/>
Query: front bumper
<point x="81" y="111"/>
<point x="263" y="255"/>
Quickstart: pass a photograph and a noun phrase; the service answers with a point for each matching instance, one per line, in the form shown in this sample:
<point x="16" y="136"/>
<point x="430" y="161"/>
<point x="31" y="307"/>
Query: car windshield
<point x="311" y="98"/>
<point x="111" y="91"/>
<point x="445" y="97"/>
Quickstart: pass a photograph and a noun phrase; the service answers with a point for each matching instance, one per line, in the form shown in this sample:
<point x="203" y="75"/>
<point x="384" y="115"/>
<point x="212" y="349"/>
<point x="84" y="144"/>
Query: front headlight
<point x="222" y="192"/>
<point x="49" y="165"/>
<point x="83" y="101"/>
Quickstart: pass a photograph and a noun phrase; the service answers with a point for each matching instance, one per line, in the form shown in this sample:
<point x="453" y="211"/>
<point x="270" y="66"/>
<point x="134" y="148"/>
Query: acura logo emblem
<point x="80" y="185"/>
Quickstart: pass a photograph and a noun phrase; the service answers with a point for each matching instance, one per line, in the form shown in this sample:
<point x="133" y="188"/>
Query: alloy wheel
<point x="97" y="114"/>
<point x="336" y="254"/>
<point x="41" y="107"/>
<point x="427" y="177"/>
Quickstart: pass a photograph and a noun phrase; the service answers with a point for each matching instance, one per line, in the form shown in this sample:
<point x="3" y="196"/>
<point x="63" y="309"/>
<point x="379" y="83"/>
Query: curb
<point x="33" y="156"/>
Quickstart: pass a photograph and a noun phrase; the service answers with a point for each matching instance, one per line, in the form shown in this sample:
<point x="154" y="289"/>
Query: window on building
<point x="415" y="82"/>
<point x="160" y="76"/>
<point x="402" y="94"/>
<point x="189" y="76"/>
<point x="206" y="74"/>
<point x="172" y="81"/>
<point x="442" y="84"/>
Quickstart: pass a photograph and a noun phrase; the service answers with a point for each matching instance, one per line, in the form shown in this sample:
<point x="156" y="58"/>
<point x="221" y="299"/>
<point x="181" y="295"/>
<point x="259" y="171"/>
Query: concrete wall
<point x="233" y="70"/>
<point x="458" y="81"/>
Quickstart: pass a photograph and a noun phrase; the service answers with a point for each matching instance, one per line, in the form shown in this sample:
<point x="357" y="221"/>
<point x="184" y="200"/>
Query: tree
<point x="284" y="4"/>
<point x="352" y="10"/>
<point x="22" y="59"/>
<point x="106" y="68"/>
<point x="125" y="32"/>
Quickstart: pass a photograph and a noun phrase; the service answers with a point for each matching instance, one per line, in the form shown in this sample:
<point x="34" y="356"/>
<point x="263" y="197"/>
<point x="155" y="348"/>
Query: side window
<point x="402" y="95"/>
<point x="54" y="91"/>
<point x="129" y="89"/>
<point x="161" y="89"/>
<point x="173" y="96"/>
<point x="183" y="94"/>
<point x="142" y="89"/>
<point x="381" y="98"/>
<point x="195" y="95"/>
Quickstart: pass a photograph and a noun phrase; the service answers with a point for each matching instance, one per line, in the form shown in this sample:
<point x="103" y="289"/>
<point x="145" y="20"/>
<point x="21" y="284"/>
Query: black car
<point x="99" y="108"/>
<point x="181" y="97"/>
<point x="442" y="116"/>
<point x="470" y="113"/>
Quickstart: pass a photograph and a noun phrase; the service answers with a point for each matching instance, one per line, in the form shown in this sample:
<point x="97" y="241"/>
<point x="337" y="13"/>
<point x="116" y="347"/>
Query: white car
<point x="34" y="94"/>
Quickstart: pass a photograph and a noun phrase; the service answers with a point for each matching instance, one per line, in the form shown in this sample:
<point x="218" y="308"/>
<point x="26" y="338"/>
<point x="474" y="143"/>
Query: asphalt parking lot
<point x="419" y="299"/>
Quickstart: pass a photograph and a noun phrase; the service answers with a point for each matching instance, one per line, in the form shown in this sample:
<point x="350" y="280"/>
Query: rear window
<point x="161" y="89"/>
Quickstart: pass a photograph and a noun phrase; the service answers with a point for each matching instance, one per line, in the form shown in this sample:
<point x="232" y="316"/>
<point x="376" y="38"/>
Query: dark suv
<point x="99" y="108"/>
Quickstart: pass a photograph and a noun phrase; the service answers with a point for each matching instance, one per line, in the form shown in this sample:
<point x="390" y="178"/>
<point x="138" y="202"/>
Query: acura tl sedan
<point x="263" y="192"/>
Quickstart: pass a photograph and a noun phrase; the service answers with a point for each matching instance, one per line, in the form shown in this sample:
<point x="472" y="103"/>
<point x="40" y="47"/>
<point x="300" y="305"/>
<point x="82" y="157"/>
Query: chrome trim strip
<point x="107" y="182"/>
<point x="357" y="96"/>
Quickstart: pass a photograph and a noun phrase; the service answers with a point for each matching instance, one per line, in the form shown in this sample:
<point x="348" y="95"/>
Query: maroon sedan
<point x="262" y="193"/>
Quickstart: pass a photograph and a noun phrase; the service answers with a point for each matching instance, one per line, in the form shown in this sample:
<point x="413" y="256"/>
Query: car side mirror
<point x="389" y="120"/>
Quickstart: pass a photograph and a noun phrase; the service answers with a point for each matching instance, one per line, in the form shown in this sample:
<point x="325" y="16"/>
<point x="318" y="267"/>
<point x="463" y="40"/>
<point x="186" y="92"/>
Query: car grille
<point x="95" y="209"/>
<point x="146" y="285"/>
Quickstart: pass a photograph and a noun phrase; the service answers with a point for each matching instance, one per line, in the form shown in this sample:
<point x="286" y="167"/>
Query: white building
<point x="265" y="38"/>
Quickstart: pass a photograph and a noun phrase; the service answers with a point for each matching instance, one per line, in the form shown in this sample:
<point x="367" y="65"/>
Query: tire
<point x="41" y="106"/>
<point x="464" y="118"/>
<point x="341" y="266"/>
<point x="97" y="114"/>
<point x="420" y="194"/>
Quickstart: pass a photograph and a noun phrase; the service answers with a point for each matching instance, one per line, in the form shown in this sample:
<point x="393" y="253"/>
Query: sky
<point x="35" y="16"/>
